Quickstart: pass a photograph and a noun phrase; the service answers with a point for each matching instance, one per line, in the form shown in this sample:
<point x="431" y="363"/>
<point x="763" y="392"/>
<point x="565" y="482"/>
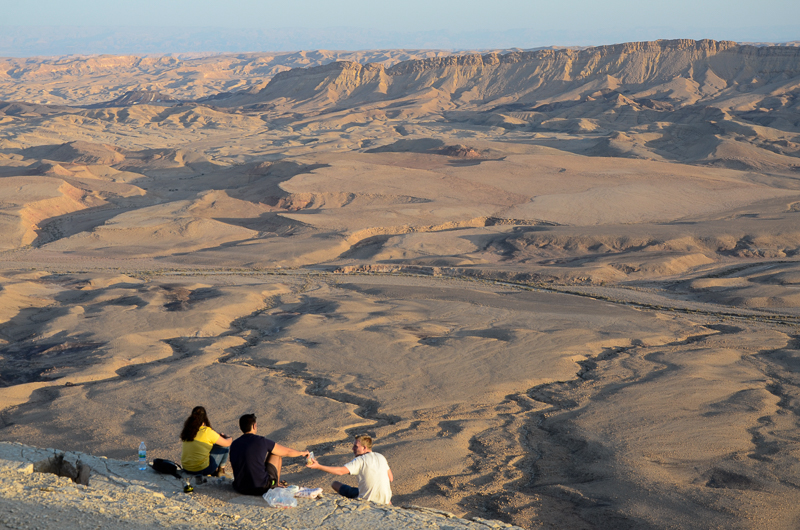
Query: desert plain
<point x="559" y="287"/>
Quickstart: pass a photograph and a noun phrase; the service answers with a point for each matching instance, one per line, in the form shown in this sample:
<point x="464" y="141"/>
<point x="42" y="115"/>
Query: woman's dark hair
<point x="193" y="424"/>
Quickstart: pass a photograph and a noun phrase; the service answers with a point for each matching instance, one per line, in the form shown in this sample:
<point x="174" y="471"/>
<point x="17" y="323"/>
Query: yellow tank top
<point x="194" y="454"/>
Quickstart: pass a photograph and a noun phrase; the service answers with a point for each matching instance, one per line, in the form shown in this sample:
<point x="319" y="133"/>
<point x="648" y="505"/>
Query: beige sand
<point x="559" y="287"/>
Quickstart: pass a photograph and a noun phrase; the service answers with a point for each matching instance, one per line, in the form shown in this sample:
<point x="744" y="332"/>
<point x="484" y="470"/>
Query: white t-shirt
<point x="372" y="470"/>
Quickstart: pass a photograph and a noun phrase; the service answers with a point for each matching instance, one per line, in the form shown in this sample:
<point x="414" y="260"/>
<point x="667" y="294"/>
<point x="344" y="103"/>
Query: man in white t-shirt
<point x="372" y="470"/>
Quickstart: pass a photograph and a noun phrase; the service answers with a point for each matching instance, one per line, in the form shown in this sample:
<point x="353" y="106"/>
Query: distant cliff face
<point x="98" y="79"/>
<point x="706" y="69"/>
<point x="705" y="102"/>
<point x="702" y="102"/>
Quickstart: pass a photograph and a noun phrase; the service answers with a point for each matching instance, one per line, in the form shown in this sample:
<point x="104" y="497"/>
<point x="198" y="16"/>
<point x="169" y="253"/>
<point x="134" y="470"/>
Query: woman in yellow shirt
<point x="204" y="451"/>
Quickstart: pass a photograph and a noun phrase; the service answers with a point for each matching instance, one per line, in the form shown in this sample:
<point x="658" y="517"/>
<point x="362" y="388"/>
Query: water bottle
<point x="142" y="457"/>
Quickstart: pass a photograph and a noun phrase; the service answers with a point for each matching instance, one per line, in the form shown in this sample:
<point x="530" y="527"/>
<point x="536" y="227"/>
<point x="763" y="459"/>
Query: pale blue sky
<point x="401" y="23"/>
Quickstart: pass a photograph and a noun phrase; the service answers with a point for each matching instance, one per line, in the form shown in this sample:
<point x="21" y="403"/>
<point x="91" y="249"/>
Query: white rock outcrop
<point x="119" y="496"/>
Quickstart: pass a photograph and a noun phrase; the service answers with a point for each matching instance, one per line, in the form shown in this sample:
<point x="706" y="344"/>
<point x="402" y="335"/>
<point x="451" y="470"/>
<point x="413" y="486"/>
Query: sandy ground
<point x="565" y="304"/>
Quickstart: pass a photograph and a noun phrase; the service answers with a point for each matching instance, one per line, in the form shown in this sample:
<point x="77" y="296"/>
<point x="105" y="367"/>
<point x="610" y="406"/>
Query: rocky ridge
<point x="120" y="496"/>
<point x="91" y="79"/>
<point x="480" y="81"/>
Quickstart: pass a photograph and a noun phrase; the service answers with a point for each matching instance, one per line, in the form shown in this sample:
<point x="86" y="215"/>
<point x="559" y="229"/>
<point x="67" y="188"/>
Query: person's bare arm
<point x="280" y="450"/>
<point x="391" y="477"/>
<point x="333" y="470"/>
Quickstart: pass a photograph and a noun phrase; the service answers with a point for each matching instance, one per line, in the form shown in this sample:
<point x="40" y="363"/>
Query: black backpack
<point x="168" y="467"/>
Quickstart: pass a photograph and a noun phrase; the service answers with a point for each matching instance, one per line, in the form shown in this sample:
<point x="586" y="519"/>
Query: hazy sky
<point x="407" y="23"/>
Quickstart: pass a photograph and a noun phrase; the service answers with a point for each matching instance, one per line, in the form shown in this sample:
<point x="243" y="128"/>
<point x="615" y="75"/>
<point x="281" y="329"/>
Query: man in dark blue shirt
<point x="256" y="460"/>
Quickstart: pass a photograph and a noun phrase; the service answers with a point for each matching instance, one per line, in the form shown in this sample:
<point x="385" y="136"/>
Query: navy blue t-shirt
<point x="248" y="458"/>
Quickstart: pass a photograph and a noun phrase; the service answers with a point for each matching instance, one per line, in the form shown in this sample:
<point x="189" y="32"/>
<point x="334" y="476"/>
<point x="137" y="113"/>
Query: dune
<point x="77" y="152"/>
<point x="157" y="230"/>
<point x="27" y="201"/>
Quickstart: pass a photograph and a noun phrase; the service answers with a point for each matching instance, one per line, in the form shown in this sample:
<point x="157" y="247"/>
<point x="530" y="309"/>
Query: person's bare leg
<point x="336" y="485"/>
<point x="276" y="461"/>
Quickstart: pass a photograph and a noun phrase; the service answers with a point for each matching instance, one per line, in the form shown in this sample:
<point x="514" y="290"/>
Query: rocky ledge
<point x="41" y="488"/>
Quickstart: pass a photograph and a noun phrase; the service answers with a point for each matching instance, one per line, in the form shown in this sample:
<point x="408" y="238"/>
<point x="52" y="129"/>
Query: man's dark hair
<point x="246" y="422"/>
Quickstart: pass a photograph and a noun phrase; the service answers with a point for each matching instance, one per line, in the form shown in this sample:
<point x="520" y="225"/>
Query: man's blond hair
<point x="366" y="440"/>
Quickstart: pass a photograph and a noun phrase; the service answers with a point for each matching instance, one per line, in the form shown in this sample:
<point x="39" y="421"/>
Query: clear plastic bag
<point x="281" y="498"/>
<point x="309" y="493"/>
